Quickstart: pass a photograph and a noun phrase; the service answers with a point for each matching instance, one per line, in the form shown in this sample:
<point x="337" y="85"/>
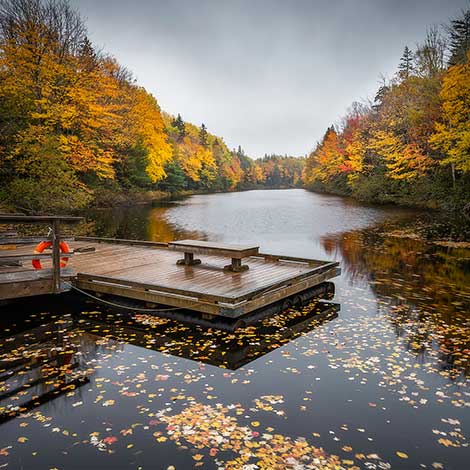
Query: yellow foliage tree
<point x="327" y="160"/>
<point x="193" y="158"/>
<point x="452" y="132"/>
<point x="148" y="125"/>
<point x="233" y="172"/>
<point x="404" y="161"/>
<point x="255" y="174"/>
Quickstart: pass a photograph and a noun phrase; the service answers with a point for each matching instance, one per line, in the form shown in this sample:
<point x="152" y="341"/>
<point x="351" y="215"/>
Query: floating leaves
<point x="214" y="429"/>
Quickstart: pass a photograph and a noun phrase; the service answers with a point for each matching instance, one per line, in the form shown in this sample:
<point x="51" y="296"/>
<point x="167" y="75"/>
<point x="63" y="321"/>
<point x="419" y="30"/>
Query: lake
<point x="377" y="379"/>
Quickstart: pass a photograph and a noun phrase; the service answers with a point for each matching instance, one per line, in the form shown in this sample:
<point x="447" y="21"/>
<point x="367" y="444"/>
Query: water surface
<point x="376" y="380"/>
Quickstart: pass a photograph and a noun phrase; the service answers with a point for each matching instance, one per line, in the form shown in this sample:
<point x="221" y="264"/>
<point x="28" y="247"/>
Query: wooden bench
<point x="235" y="252"/>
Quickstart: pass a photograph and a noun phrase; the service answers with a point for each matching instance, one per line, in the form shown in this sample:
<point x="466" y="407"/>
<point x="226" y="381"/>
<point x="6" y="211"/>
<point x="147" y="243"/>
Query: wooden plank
<point x="283" y="292"/>
<point x="31" y="256"/>
<point x="153" y="296"/>
<point x="13" y="290"/>
<point x="273" y="258"/>
<point x="8" y="233"/>
<point x="28" y="240"/>
<point x="30" y="275"/>
<point x="122" y="241"/>
<point x="213" y="248"/>
<point x="147" y="286"/>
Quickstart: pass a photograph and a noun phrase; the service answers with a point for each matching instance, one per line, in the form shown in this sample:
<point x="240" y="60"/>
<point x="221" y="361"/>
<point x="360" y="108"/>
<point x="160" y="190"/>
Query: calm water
<point x="376" y="380"/>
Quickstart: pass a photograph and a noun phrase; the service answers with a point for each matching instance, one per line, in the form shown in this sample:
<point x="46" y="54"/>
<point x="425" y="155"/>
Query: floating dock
<point x="156" y="273"/>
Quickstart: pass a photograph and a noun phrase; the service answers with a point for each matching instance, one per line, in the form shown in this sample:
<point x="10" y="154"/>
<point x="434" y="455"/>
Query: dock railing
<point x="54" y="236"/>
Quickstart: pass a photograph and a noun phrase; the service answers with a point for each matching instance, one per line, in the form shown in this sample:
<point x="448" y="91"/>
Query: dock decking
<point x="154" y="273"/>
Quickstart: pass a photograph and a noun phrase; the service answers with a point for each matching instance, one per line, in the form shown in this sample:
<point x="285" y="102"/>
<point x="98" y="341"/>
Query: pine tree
<point x="203" y="136"/>
<point x="459" y="36"/>
<point x="380" y="95"/>
<point x="406" y="64"/>
<point x="179" y="124"/>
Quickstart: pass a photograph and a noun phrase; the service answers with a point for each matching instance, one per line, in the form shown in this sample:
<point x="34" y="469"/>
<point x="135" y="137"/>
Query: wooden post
<point x="56" y="256"/>
<point x="189" y="260"/>
<point x="236" y="266"/>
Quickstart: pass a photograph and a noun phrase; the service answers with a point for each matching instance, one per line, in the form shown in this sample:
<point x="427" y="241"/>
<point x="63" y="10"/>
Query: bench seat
<point x="235" y="252"/>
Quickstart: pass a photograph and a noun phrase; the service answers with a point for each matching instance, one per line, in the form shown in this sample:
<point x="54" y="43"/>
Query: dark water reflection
<point x="383" y="383"/>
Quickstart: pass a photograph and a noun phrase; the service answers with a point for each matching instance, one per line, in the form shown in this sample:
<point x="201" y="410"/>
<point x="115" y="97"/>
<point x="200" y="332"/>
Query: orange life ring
<point x="64" y="248"/>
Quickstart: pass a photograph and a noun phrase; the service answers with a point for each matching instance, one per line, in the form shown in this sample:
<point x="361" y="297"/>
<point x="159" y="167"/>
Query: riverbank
<point x="111" y="198"/>
<point x="373" y="192"/>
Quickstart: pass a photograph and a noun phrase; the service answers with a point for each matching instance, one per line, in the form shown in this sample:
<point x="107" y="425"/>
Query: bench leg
<point x="236" y="266"/>
<point x="189" y="260"/>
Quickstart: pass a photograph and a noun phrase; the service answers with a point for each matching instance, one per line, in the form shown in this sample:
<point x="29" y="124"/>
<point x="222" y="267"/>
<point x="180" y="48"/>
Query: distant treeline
<point x="411" y="145"/>
<point x="76" y="129"/>
<point x="202" y="162"/>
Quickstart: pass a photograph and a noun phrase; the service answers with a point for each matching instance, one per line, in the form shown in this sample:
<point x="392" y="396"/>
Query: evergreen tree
<point x="380" y="95"/>
<point x="175" y="178"/>
<point x="406" y="64"/>
<point x="240" y="153"/>
<point x="459" y="36"/>
<point x="87" y="55"/>
<point x="179" y="124"/>
<point x="203" y="136"/>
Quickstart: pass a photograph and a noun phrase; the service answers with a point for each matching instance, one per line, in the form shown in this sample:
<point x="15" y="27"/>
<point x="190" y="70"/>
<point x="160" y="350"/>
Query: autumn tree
<point x="452" y="131"/>
<point x="429" y="58"/>
<point x="328" y="157"/>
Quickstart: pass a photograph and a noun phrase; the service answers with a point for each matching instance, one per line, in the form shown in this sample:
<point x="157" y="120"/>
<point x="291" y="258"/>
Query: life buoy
<point x="64" y="248"/>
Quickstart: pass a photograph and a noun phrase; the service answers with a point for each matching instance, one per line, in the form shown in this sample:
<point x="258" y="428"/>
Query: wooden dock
<point x="155" y="273"/>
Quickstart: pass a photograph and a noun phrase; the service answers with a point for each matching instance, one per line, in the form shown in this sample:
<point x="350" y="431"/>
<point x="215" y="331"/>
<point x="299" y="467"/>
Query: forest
<point x="76" y="129"/>
<point x="411" y="144"/>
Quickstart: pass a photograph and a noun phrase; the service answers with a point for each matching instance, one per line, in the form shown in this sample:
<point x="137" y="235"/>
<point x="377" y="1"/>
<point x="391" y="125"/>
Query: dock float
<point x="214" y="279"/>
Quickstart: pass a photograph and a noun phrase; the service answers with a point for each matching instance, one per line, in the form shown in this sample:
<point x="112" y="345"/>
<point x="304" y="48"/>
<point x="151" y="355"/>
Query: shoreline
<point x="129" y="199"/>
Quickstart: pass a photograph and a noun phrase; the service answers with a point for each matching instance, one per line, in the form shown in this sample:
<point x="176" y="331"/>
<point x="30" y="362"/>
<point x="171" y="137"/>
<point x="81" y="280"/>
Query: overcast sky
<point x="269" y="75"/>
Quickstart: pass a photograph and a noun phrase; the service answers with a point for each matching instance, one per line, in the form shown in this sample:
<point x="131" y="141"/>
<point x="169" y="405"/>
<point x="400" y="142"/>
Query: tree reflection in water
<point x="422" y="288"/>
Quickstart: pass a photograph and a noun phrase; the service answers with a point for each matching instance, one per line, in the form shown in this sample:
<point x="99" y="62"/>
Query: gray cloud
<point x="268" y="75"/>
